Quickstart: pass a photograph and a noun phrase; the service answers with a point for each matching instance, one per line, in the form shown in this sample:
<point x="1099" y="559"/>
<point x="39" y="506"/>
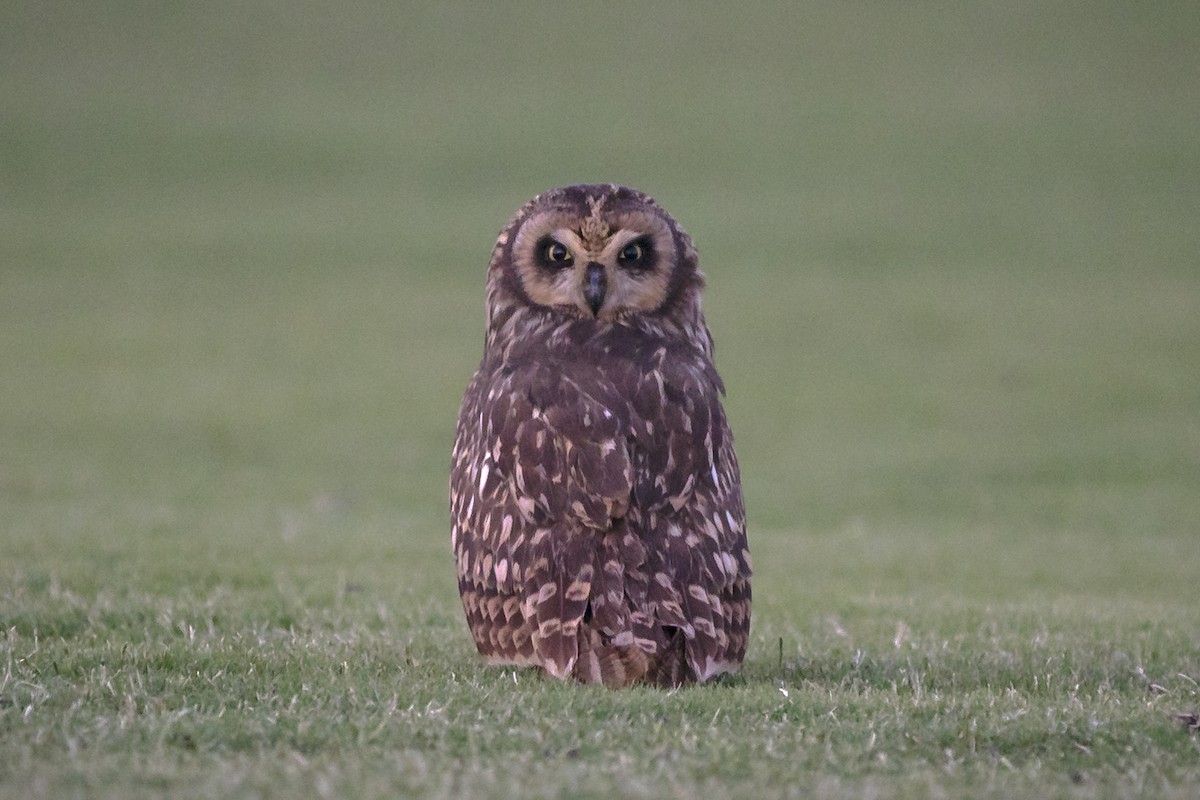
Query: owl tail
<point x="581" y="593"/>
<point x="670" y="668"/>
<point x="608" y="652"/>
<point x="619" y="666"/>
<point x="616" y="666"/>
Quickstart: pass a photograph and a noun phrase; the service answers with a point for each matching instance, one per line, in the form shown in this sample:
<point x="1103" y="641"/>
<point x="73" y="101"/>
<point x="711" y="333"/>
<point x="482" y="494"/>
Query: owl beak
<point x="595" y="287"/>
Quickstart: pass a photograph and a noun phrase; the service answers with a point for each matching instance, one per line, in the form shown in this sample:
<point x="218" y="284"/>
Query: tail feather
<point x="707" y="646"/>
<point x="610" y="613"/>
<point x="603" y="609"/>
<point x="615" y="666"/>
<point x="617" y="558"/>
<point x="671" y="667"/>
<point x="557" y="589"/>
<point x="618" y="666"/>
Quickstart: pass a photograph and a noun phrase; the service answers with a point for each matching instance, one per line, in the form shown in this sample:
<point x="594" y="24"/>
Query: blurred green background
<point x="952" y="252"/>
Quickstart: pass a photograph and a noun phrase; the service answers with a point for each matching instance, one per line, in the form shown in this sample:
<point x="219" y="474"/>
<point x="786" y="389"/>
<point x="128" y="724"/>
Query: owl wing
<point x="541" y="469"/>
<point x="688" y="508"/>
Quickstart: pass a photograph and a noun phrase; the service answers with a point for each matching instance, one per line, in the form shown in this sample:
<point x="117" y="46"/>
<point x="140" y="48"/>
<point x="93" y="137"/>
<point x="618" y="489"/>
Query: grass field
<point x="954" y="275"/>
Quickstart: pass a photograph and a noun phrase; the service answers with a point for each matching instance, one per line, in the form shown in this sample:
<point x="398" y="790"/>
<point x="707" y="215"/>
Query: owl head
<point x="595" y="252"/>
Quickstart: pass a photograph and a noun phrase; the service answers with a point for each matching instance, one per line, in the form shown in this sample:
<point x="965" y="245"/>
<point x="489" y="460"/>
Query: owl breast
<point x="598" y="519"/>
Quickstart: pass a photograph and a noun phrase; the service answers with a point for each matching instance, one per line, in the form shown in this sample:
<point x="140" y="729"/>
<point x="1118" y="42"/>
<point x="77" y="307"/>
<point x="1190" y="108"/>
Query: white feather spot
<point x="483" y="476"/>
<point x="732" y="525"/>
<point x="649" y="645"/>
<point x="525" y="504"/>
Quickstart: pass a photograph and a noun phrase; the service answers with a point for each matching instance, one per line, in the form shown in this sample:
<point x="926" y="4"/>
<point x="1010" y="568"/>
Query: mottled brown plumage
<point x="596" y="506"/>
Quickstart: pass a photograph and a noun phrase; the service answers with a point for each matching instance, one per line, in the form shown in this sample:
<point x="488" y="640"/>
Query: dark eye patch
<point x="638" y="254"/>
<point x="552" y="254"/>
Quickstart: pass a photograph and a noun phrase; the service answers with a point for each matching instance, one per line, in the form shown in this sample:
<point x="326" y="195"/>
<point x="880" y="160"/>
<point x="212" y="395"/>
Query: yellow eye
<point x="556" y="253"/>
<point x="631" y="252"/>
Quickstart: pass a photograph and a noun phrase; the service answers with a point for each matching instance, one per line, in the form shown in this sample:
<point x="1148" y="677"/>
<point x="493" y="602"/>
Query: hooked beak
<point x="595" y="287"/>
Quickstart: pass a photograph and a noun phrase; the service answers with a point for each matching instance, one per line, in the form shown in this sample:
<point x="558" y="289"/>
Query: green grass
<point x="953" y="266"/>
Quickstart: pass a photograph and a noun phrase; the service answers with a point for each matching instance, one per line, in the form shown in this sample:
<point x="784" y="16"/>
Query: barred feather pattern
<point x="596" y="509"/>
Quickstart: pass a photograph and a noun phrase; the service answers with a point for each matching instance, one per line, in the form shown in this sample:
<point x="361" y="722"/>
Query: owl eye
<point x="555" y="253"/>
<point x="636" y="254"/>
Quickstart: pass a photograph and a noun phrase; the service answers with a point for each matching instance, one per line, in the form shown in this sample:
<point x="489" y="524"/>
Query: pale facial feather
<point x="629" y="290"/>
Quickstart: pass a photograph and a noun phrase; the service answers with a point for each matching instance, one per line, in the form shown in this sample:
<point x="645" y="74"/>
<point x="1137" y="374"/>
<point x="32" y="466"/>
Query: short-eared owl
<point x="596" y="507"/>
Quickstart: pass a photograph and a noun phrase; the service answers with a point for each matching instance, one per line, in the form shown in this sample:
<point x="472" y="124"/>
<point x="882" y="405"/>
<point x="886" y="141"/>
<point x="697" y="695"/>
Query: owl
<point x="596" y="506"/>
